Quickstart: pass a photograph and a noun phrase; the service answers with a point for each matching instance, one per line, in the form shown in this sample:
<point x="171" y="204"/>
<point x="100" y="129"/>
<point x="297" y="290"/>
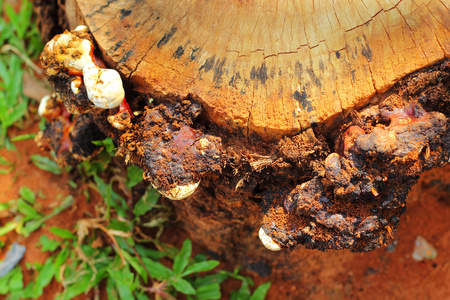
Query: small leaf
<point x="32" y="225"/>
<point x="120" y="225"/>
<point x="16" y="281"/>
<point x="211" y="291"/>
<point x="81" y="285"/>
<point x="146" y="203"/>
<point x="27" y="194"/>
<point x="18" y="112"/>
<point x="134" y="176"/>
<point x="72" y="184"/>
<point x="111" y="290"/>
<point x="201" y="267"/>
<point x="157" y="270"/>
<point x="48" y="244"/>
<point x="10" y="226"/>
<point x="27" y="210"/>
<point x="11" y="281"/>
<point x="182" y="286"/>
<point x="123" y="279"/>
<point x="243" y="293"/>
<point x="5" y="206"/>
<point x="211" y="279"/>
<point x="182" y="258"/>
<point x="107" y="143"/>
<point x="135" y="263"/>
<point x="3" y="171"/>
<point x="23" y="137"/>
<point x="261" y="291"/>
<point x="44" y="277"/>
<point x="46" y="164"/>
<point x="3" y="161"/>
<point x="64" y="233"/>
<point x="150" y="253"/>
<point x="60" y="259"/>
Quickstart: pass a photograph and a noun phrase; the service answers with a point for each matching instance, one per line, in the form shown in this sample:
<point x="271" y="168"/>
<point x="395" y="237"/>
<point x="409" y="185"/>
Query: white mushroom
<point x="103" y="86"/>
<point x="81" y="28"/>
<point x="180" y="192"/>
<point x="85" y="58"/>
<point x="73" y="52"/>
<point x="267" y="241"/>
<point x="43" y="105"/>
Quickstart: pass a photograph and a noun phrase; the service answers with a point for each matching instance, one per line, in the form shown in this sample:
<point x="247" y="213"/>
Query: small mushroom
<point x="75" y="84"/>
<point x="267" y="241"/>
<point x="42" y="109"/>
<point x="179" y="192"/>
<point x="104" y="86"/>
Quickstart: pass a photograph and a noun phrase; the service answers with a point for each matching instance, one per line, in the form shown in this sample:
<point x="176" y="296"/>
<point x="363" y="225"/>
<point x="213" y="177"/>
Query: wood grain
<point x="270" y="67"/>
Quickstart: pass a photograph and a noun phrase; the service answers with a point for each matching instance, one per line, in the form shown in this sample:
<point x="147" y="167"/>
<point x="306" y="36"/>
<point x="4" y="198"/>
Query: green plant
<point x="46" y="164"/>
<point x="13" y="104"/>
<point x="131" y="269"/>
<point x="27" y="213"/>
<point x="4" y="164"/>
<point x="21" y="43"/>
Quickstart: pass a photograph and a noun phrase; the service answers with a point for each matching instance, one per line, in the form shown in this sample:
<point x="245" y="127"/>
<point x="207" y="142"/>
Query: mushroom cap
<point x="67" y="51"/>
<point x="270" y="67"/>
<point x="267" y="241"/>
<point x="179" y="192"/>
<point x="103" y="86"/>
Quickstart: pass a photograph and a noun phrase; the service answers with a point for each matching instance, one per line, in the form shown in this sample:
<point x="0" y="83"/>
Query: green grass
<point x="21" y="44"/>
<point x="28" y="215"/>
<point x="98" y="253"/>
<point x="129" y="266"/>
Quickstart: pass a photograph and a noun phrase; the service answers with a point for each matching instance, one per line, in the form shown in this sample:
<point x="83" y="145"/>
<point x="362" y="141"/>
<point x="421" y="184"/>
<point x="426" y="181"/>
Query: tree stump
<point x="306" y="122"/>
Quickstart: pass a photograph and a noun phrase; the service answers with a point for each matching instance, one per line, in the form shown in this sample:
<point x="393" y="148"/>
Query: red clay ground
<point x="379" y="274"/>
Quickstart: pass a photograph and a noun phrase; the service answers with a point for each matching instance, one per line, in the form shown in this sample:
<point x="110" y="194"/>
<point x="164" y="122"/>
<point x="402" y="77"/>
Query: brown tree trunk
<point x="310" y="120"/>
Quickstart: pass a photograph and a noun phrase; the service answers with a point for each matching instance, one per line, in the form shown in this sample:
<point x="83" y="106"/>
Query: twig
<point x="15" y="50"/>
<point x="146" y="270"/>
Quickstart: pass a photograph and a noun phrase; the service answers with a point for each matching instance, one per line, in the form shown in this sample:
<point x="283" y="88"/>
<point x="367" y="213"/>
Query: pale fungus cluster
<point x="70" y="57"/>
<point x="72" y="54"/>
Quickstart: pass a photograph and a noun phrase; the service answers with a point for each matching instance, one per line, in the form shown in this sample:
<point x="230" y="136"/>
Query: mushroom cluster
<point x="69" y="60"/>
<point x="173" y="155"/>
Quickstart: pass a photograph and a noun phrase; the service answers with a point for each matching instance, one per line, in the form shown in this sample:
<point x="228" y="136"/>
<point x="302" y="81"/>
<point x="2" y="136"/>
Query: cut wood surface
<point x="270" y="67"/>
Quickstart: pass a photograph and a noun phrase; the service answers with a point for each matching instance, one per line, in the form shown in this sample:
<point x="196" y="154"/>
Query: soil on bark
<point x="385" y="272"/>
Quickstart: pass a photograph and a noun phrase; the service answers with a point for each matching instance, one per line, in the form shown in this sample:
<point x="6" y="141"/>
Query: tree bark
<point x="269" y="67"/>
<point x="309" y="120"/>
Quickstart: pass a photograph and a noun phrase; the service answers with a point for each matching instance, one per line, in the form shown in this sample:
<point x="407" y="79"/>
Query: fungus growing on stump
<point x="69" y="60"/>
<point x="69" y="136"/>
<point x="292" y="119"/>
